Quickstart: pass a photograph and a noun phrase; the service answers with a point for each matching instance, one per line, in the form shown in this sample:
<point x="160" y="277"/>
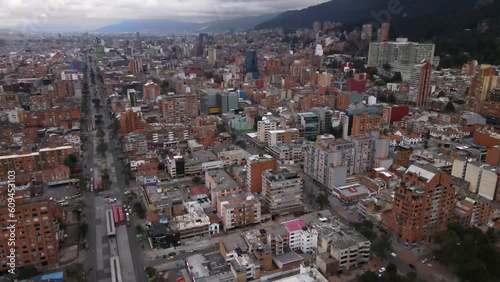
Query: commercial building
<point x="311" y="124"/>
<point x="255" y="166"/>
<point x="282" y="192"/>
<point x="401" y="55"/>
<point x="211" y="55"/>
<point x="37" y="243"/>
<point x="351" y="194"/>
<point x="423" y="205"/>
<point x="420" y="84"/>
<point x="179" y="108"/>
<point x="214" y="101"/>
<point x="239" y="210"/>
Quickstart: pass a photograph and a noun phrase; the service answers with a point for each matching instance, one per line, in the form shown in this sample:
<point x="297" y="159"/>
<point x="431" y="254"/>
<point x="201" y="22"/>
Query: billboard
<point x="214" y="110"/>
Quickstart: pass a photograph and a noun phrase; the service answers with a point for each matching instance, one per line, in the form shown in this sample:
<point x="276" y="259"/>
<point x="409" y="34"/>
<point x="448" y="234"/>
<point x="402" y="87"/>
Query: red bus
<point x="121" y="215"/>
<point x="116" y="217"/>
<point x="97" y="185"/>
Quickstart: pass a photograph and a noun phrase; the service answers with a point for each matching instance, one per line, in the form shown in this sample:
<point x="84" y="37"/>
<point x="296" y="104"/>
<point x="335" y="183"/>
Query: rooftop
<point x="222" y="179"/>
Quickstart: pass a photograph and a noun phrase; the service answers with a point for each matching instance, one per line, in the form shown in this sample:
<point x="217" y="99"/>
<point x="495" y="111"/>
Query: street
<point x="97" y="262"/>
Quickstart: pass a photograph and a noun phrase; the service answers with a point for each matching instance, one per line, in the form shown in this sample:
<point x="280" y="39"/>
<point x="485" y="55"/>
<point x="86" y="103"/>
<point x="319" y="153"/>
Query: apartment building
<point x="151" y="91"/>
<point x="30" y="162"/>
<point x="239" y="210"/>
<point x="483" y="179"/>
<point x="473" y="210"/>
<point x="364" y="156"/>
<point x="282" y="192"/>
<point x="420" y="84"/>
<point x="193" y="223"/>
<point x="346" y="245"/>
<point x="401" y="55"/>
<point x="423" y="205"/>
<point x="326" y="160"/>
<point x="233" y="156"/>
<point x="282" y="136"/>
<point x="179" y="108"/>
<point x="255" y="166"/>
<point x="301" y="236"/>
<point x="37" y="243"/>
<point x="366" y="123"/>
<point x="220" y="184"/>
<point x="263" y="127"/>
<point x="131" y="121"/>
<point x="288" y="152"/>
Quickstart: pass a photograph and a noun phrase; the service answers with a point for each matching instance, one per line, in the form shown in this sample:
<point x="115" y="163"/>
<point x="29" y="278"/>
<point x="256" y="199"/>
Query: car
<point x="411" y="266"/>
<point x="182" y="251"/>
<point x="381" y="270"/>
<point x="126" y="192"/>
<point x="112" y="200"/>
<point x="429" y="265"/>
<point x="424" y="261"/>
<point x="394" y="255"/>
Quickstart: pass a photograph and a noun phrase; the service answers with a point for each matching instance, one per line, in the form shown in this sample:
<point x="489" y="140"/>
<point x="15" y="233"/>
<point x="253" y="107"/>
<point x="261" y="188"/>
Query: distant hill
<point x="169" y="26"/>
<point x="357" y="12"/>
<point x="451" y="24"/>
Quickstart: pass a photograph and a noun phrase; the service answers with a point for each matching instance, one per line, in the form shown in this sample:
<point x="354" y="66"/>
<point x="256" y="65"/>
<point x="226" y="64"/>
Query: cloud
<point x="91" y="14"/>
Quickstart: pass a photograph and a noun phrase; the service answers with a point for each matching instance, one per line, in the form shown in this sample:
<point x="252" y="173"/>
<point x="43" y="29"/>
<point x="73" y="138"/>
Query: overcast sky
<point x="91" y="14"/>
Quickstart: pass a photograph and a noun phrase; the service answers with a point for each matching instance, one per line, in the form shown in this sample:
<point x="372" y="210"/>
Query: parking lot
<point x="67" y="193"/>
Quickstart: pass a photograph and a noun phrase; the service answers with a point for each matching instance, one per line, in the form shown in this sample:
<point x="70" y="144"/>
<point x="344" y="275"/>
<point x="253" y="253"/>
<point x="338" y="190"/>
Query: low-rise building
<point x="239" y="210"/>
<point x="193" y="223"/>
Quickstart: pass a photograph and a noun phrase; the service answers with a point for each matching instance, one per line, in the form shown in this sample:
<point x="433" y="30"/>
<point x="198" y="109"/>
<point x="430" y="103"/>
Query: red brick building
<point x="423" y="205"/>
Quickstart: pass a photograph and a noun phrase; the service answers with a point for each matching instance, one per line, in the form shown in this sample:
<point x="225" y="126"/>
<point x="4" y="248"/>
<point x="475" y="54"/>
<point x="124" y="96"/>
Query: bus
<point x="116" y="273"/>
<point x="121" y="214"/>
<point x="116" y="217"/>
<point x="110" y="225"/>
<point x="97" y="185"/>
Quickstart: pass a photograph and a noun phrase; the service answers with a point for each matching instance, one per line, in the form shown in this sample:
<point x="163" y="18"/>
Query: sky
<point x="78" y="15"/>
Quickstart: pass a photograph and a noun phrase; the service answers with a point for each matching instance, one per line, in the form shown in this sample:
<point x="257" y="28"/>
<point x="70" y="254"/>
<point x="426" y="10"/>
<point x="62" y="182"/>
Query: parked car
<point x="112" y="200"/>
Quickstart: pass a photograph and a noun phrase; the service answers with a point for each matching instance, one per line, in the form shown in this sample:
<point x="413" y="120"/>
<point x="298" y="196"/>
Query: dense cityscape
<point x="312" y="154"/>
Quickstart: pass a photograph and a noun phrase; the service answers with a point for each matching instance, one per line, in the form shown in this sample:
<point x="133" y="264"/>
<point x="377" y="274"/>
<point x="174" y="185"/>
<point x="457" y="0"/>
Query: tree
<point x="100" y="133"/>
<point x="391" y="99"/>
<point x="366" y="229"/>
<point x="382" y="246"/>
<point x="27" y="272"/>
<point x="368" y="277"/>
<point x="83" y="229"/>
<point x="196" y="180"/>
<point x="323" y="201"/>
<point x="371" y="71"/>
<point x="102" y="148"/>
<point x="139" y="229"/>
<point x="161" y="166"/>
<point x="150" y="271"/>
<point x="387" y="67"/>
<point x="139" y="209"/>
<point x="71" y="161"/>
<point x="441" y="94"/>
<point x="449" y="108"/>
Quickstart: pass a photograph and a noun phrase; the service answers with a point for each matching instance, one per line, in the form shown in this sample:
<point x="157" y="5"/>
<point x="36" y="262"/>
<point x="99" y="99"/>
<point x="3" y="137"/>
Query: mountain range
<point x="179" y="27"/>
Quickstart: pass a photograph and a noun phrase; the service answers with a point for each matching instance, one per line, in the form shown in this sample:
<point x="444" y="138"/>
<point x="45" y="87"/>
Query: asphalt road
<point x="129" y="254"/>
